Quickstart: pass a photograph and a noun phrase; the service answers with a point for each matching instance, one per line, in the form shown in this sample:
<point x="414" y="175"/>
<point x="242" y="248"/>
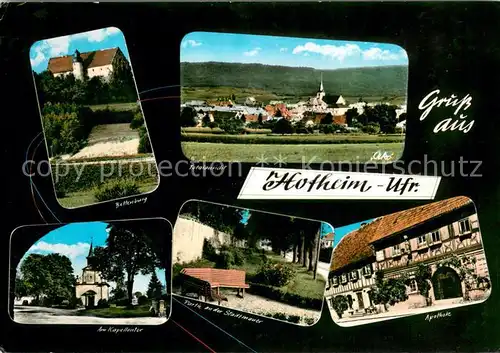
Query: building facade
<point x="396" y="244"/>
<point x="99" y="63"/>
<point x="91" y="287"/>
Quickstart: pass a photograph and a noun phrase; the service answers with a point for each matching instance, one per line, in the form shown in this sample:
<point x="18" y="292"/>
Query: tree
<point x="154" y="287"/>
<point x="422" y="278"/>
<point x="206" y="120"/>
<point x="300" y="127"/>
<point x="188" y="117"/>
<point x="48" y="275"/>
<point x="466" y="269"/>
<point x="221" y="218"/>
<point x="282" y="126"/>
<point x="20" y="289"/>
<point x="382" y="114"/>
<point x="286" y="234"/>
<point x="240" y="232"/>
<point x="128" y="252"/>
<point x="327" y="119"/>
<point x="119" y="292"/>
<point x="371" y="128"/>
<point x="339" y="304"/>
<point x="232" y="125"/>
<point x="122" y="81"/>
<point x="350" y="115"/>
<point x="389" y="291"/>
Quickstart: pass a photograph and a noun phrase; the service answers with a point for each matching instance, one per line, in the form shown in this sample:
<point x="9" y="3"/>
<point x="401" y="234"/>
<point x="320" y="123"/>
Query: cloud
<point x="283" y="50"/>
<point x="45" y="49"/>
<point x="191" y="43"/>
<point x="38" y="57"/>
<point x="379" y="54"/>
<point x="99" y="35"/>
<point x="252" y="52"/>
<point x="49" y="48"/>
<point x="72" y="251"/>
<point x="335" y="52"/>
<point x="341" y="52"/>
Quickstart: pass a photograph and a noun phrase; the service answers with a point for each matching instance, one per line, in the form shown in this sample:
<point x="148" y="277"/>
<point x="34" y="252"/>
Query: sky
<point x="106" y="38"/>
<point x="343" y="231"/>
<point x="288" y="51"/>
<point x="73" y="240"/>
<point x="326" y="229"/>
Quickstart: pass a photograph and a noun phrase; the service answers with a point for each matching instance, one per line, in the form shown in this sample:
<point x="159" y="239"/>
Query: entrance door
<point x="446" y="284"/>
<point x="91" y="301"/>
<point x="361" y="304"/>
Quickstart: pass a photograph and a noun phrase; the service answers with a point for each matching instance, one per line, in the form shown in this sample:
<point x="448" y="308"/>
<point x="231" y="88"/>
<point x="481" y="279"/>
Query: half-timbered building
<point x="395" y="244"/>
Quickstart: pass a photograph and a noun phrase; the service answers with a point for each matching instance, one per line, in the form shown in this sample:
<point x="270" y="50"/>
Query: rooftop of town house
<point x="355" y="246"/>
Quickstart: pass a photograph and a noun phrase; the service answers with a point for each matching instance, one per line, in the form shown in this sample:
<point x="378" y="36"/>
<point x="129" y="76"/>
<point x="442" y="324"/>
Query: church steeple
<point x="91" y="249"/>
<point x="321" y="84"/>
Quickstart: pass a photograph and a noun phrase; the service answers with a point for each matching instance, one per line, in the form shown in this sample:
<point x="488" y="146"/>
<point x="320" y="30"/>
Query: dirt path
<point x="262" y="306"/>
<point x="40" y="315"/>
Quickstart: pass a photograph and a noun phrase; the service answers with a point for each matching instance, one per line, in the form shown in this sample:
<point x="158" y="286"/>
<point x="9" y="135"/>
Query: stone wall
<point x="189" y="236"/>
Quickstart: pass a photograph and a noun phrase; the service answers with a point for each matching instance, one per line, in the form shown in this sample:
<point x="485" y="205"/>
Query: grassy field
<point x="305" y="139"/>
<point x="86" y="198"/>
<point x="115" y="106"/>
<point x="303" y="284"/>
<point x="207" y="93"/>
<point x="118" y="312"/>
<point x="350" y="152"/>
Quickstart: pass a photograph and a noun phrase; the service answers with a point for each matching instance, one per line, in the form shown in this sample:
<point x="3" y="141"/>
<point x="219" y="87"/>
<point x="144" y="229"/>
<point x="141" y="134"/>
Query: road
<point x="40" y="315"/>
<point x="323" y="270"/>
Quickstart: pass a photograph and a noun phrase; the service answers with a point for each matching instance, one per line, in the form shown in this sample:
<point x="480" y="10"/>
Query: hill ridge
<point x="390" y="80"/>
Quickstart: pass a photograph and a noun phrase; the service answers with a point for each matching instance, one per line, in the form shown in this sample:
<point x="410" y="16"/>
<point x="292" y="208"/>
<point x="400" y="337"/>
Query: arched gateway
<point x="446" y="284"/>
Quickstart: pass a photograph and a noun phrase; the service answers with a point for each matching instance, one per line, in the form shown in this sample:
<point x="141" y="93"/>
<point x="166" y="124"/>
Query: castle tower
<point x="77" y="65"/>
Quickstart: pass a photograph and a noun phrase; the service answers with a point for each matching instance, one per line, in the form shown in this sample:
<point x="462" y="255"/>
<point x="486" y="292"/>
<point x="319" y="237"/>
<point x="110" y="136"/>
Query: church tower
<point x="91" y="250"/>
<point x="91" y="287"/>
<point x="321" y="91"/>
<point x="77" y="65"/>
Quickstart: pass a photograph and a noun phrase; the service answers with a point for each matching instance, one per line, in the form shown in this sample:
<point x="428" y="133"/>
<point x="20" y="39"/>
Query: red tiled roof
<point x="273" y="109"/>
<point x="252" y="118"/>
<point x="329" y="237"/>
<point x="356" y="245"/>
<point x="218" y="277"/>
<point x="98" y="58"/>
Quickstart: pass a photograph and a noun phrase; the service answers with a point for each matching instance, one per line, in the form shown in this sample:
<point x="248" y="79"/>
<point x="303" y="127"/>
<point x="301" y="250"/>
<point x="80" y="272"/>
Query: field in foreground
<point x="299" y="153"/>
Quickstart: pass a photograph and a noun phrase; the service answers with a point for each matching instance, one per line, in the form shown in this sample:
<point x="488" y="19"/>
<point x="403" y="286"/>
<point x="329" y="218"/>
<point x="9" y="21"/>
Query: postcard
<point x="94" y="128"/>
<point x="256" y="99"/>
